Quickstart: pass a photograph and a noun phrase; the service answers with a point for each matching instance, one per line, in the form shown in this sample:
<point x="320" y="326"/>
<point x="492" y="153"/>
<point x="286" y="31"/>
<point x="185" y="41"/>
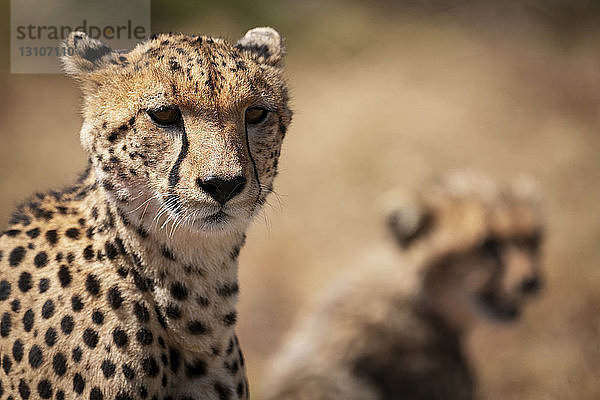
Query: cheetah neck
<point x="190" y="277"/>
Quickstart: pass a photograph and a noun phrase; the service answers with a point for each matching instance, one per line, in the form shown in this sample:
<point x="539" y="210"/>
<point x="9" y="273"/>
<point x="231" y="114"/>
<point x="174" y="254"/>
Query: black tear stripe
<point x="172" y="199"/>
<point x="253" y="167"/>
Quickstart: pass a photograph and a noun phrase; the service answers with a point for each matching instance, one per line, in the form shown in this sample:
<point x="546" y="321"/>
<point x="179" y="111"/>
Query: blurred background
<point x="385" y="95"/>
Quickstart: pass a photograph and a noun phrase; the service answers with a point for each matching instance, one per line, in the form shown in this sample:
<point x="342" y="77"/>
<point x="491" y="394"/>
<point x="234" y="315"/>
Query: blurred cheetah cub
<point x="470" y="252"/>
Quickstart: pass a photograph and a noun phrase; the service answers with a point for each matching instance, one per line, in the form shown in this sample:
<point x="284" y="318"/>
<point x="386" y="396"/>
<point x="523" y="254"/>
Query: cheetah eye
<point x="492" y="247"/>
<point x="531" y="242"/>
<point x="165" y="116"/>
<point x="255" y="115"/>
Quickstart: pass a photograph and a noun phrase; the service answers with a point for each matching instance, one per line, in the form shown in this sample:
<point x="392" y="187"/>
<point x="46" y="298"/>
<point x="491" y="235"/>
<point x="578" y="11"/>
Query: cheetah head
<point x="184" y="130"/>
<point x="478" y="244"/>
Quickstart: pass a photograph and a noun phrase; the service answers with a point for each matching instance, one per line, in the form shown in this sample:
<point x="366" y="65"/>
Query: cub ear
<point x="409" y="223"/>
<point x="82" y="54"/>
<point x="265" y="44"/>
<point x="527" y="188"/>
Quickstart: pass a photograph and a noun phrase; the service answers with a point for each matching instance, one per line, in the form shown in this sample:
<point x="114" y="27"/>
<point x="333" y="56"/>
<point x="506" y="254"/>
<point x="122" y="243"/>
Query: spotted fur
<point x="395" y="330"/>
<point x="124" y="286"/>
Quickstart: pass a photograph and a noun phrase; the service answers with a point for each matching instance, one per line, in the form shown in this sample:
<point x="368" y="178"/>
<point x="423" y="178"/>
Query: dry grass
<point x="382" y="103"/>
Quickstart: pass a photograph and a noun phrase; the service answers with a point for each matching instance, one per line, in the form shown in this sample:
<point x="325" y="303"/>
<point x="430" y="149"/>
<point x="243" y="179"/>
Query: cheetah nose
<point x="531" y="285"/>
<point x="222" y="189"/>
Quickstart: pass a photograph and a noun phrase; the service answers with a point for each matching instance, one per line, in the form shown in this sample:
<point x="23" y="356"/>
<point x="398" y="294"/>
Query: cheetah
<point x="468" y="253"/>
<point x="124" y="286"/>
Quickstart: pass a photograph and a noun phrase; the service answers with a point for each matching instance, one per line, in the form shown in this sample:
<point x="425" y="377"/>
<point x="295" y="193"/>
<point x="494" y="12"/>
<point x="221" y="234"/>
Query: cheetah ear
<point x="265" y="44"/>
<point x="527" y="188"/>
<point x="409" y="223"/>
<point x="83" y="54"/>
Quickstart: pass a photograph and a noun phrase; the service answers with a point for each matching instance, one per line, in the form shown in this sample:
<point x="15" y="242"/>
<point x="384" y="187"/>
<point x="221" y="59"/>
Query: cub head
<point x="184" y="130"/>
<point x="477" y="244"/>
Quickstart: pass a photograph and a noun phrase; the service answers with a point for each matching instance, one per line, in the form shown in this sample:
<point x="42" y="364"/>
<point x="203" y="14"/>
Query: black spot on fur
<point x="141" y="312"/>
<point x="88" y="252"/>
<point x="128" y="372"/>
<point x="66" y="324"/>
<point x="96" y="394"/>
<point x="144" y="336"/>
<point x="90" y="338"/>
<point x="44" y="285"/>
<point x="48" y="309"/>
<point x="173" y="311"/>
<point x="64" y="276"/>
<point x="150" y="366"/>
<point x="98" y="317"/>
<point x="120" y="337"/>
<point x="36" y="357"/>
<point x="142" y="232"/>
<point x="168" y="254"/>
<point x="41" y="259"/>
<point x="45" y="389"/>
<point x="5" y="325"/>
<point x="50" y="337"/>
<point x="6" y="364"/>
<point x="92" y="285"/>
<point x="160" y="318"/>
<point x="179" y="291"/>
<point x="16" y="256"/>
<point x="24" y="390"/>
<point x="139" y="281"/>
<point x="59" y="364"/>
<point x="197" y="328"/>
<point x="195" y="369"/>
<point x="230" y="347"/>
<point x="76" y="303"/>
<point x="28" y="320"/>
<point x="202" y="301"/>
<point x="174" y="359"/>
<point x="222" y="391"/>
<point x="52" y="237"/>
<point x="108" y="369"/>
<point x="174" y="66"/>
<point x="114" y="297"/>
<point x="120" y="246"/>
<point x="17" y="350"/>
<point x="77" y="354"/>
<point x="24" y="282"/>
<point x="111" y="250"/>
<point x="33" y="233"/>
<point x="113" y="136"/>
<point x="78" y="383"/>
<point x="233" y="367"/>
<point x="228" y="289"/>
<point x="73" y="233"/>
<point x="5" y="289"/>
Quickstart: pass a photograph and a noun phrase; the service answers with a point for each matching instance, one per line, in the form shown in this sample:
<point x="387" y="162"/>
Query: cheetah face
<point x="478" y="244"/>
<point x="184" y="131"/>
<point x="495" y="279"/>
